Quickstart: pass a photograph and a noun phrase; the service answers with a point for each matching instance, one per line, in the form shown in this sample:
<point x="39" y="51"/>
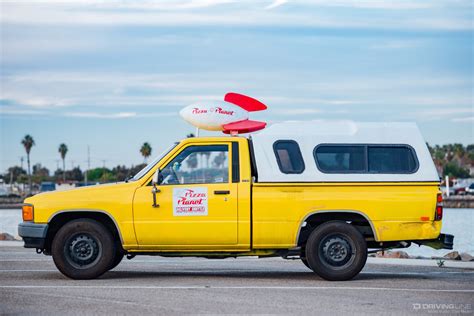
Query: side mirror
<point x="155" y="190"/>
<point x="156" y="178"/>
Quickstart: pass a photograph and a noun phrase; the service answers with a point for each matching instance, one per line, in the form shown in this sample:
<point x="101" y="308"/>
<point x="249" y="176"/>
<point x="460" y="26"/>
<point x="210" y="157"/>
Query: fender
<point x="335" y="211"/>
<point x="89" y="211"/>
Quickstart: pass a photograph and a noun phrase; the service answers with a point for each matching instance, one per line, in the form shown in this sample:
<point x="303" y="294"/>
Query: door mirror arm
<point x="155" y="190"/>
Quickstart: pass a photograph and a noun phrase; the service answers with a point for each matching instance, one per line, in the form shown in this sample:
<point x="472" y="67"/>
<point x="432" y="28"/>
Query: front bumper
<point x="34" y="235"/>
<point x="444" y="241"/>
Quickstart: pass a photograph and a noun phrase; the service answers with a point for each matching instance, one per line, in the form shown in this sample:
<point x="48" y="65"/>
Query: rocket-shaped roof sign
<point x="230" y="116"/>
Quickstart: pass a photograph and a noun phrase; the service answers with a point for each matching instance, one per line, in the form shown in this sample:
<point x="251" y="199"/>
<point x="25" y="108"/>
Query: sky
<point x="111" y="75"/>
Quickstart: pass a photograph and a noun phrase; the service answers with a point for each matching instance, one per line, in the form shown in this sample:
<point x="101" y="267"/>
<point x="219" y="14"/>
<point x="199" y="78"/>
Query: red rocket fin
<point x="245" y="126"/>
<point x="245" y="102"/>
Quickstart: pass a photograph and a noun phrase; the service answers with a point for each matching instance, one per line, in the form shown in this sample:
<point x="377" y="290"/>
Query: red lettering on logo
<point x="199" y="111"/>
<point x="222" y="111"/>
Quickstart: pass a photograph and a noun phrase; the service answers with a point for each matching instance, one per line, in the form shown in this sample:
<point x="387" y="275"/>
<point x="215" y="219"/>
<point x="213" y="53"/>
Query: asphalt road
<point x="30" y="284"/>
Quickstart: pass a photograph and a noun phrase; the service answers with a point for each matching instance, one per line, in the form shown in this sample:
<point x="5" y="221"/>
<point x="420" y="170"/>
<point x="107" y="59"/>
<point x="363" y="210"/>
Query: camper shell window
<point x="363" y="158"/>
<point x="392" y="159"/>
<point x="288" y="156"/>
<point x="340" y="158"/>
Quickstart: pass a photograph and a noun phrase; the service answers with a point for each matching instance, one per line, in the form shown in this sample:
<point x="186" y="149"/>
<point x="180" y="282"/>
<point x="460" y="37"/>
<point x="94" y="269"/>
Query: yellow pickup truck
<point x="325" y="193"/>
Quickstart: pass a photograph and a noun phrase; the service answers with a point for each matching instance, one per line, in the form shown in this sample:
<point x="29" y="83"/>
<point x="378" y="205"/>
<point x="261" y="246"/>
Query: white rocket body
<point x="212" y="116"/>
<point x="230" y="116"/>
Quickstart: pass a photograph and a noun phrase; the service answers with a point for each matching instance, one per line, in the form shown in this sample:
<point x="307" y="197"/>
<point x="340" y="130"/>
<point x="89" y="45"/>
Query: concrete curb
<point x="11" y="243"/>
<point x="422" y="262"/>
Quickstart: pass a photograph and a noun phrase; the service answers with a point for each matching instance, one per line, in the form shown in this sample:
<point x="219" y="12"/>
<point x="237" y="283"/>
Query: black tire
<point x="305" y="262"/>
<point x="336" y="251"/>
<point x="117" y="259"/>
<point x="83" y="249"/>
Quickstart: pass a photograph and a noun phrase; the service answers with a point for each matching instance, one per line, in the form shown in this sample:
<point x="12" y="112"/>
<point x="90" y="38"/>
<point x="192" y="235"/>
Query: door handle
<point x="154" y="191"/>
<point x="222" y="192"/>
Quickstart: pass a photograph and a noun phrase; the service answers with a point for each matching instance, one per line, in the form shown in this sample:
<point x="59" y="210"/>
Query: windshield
<point x="150" y="166"/>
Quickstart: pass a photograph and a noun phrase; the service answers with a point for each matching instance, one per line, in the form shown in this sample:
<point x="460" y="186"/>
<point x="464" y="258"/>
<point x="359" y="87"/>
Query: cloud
<point x="13" y="111"/>
<point x="211" y="13"/>
<point x="276" y="3"/>
<point x="395" y="44"/>
<point x="447" y="111"/>
<point x="101" y="115"/>
<point x="121" y="95"/>
<point x="296" y="111"/>
<point x="444" y="113"/>
<point x="119" y="115"/>
<point x="468" y="119"/>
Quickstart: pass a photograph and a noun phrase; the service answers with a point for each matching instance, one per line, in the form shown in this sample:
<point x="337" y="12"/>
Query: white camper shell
<point x="343" y="151"/>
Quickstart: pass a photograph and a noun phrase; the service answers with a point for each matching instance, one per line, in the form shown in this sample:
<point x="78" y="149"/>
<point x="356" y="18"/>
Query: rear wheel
<point x="336" y="251"/>
<point x="83" y="249"/>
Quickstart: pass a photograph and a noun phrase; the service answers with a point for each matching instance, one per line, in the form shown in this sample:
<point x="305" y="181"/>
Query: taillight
<point x="439" y="207"/>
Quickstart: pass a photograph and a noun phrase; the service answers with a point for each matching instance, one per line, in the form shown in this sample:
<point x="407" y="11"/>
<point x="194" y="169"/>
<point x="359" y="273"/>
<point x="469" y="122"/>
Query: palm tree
<point x="145" y="150"/>
<point x="63" y="151"/>
<point x="28" y="142"/>
<point x="192" y="161"/>
<point x="219" y="160"/>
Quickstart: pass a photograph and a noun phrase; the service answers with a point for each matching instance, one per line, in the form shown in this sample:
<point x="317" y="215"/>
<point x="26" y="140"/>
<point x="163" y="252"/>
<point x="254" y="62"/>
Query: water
<point x="457" y="221"/>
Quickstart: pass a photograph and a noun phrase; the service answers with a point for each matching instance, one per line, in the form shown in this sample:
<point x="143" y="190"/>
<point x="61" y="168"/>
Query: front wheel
<point x="117" y="259"/>
<point x="336" y="251"/>
<point x="83" y="249"/>
<point x="305" y="262"/>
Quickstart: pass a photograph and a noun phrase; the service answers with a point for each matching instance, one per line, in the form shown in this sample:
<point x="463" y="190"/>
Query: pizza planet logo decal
<point x="190" y="202"/>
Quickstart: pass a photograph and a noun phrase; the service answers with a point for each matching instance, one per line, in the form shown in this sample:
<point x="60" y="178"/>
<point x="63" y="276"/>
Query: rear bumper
<point x="444" y="241"/>
<point x="34" y="235"/>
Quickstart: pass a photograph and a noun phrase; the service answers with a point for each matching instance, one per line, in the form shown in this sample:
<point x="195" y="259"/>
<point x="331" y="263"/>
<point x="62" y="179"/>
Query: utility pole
<point x="21" y="160"/>
<point x="103" y="170"/>
<point x="88" y="163"/>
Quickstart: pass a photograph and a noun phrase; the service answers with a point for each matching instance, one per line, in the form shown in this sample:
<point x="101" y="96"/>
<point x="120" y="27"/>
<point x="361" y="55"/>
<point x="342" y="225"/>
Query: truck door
<point x="197" y="201"/>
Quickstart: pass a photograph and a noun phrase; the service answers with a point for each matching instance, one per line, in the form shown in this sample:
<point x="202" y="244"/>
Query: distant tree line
<point x="40" y="174"/>
<point x="453" y="160"/>
<point x="17" y="174"/>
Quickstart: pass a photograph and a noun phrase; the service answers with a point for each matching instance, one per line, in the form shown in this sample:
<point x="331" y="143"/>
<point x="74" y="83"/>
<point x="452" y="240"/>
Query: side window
<point x="198" y="164"/>
<point x="391" y="159"/>
<point x="340" y="158"/>
<point x="288" y="156"/>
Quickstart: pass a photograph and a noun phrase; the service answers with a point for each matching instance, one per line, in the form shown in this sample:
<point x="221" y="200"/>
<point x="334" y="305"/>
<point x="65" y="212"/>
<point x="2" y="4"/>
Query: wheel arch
<point x="315" y="218"/>
<point x="59" y="218"/>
